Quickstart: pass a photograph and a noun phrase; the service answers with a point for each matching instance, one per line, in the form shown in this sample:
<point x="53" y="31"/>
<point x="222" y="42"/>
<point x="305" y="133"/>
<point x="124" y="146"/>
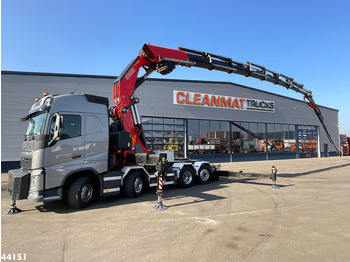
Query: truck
<point x="344" y="143"/>
<point x="76" y="146"/>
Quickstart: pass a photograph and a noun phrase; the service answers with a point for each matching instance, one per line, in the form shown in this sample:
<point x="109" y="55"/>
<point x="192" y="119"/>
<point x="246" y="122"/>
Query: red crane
<point x="163" y="60"/>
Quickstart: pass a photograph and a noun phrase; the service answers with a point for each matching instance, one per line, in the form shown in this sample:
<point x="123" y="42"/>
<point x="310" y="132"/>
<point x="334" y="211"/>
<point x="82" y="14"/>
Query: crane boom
<point x="163" y="60"/>
<point x="249" y="69"/>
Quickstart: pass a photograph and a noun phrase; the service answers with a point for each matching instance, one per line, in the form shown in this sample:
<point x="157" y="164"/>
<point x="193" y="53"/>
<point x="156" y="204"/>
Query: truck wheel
<point x="133" y="185"/>
<point x="204" y="175"/>
<point x="80" y="194"/>
<point x="186" y="177"/>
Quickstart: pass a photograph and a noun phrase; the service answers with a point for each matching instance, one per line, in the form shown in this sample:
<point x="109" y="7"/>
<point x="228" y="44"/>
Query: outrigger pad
<point x="159" y="206"/>
<point x="13" y="210"/>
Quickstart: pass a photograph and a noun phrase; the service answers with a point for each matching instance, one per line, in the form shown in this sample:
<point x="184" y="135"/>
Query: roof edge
<point x="55" y="74"/>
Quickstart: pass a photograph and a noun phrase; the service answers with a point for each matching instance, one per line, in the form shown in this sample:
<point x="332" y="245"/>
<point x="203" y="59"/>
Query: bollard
<point x="161" y="170"/>
<point x="274" y="178"/>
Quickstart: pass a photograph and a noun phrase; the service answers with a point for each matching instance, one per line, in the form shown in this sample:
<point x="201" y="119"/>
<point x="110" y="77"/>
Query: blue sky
<point x="307" y="40"/>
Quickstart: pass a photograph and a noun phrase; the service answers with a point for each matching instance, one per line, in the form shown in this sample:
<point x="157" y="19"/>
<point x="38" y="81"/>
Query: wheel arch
<point x="85" y="172"/>
<point x="179" y="166"/>
<point x="199" y="165"/>
<point x="130" y="169"/>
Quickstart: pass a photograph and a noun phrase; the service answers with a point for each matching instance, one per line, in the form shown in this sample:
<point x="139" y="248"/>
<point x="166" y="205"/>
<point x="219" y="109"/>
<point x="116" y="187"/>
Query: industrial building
<point x="215" y="121"/>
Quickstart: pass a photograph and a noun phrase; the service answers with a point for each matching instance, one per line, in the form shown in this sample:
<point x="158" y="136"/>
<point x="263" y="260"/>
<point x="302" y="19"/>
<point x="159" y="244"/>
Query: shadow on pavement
<point x="313" y="171"/>
<point x="254" y="182"/>
<point x="201" y="193"/>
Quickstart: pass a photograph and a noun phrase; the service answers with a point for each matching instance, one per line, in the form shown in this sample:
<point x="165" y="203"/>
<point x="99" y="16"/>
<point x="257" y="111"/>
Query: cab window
<point x="71" y="127"/>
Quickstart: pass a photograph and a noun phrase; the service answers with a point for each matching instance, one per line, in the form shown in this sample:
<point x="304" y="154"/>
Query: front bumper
<point x="18" y="184"/>
<point x="26" y="185"/>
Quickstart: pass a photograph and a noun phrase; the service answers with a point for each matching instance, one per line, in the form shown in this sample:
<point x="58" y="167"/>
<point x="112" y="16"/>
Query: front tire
<point x="80" y="194"/>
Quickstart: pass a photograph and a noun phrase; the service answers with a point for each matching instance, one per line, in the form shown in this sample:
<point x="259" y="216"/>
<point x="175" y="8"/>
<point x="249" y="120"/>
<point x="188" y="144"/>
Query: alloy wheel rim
<point x="86" y="193"/>
<point x="138" y="184"/>
<point x="187" y="177"/>
<point x="204" y="174"/>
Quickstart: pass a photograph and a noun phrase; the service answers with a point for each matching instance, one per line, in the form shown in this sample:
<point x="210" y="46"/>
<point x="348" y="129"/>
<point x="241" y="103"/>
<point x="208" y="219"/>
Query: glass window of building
<point x="308" y="141"/>
<point x="278" y="142"/>
<point x="208" y="137"/>
<point x="215" y="137"/>
<point x="164" y="134"/>
<point x="244" y="138"/>
<point x="270" y="134"/>
<point x="288" y="135"/>
<point x="219" y="138"/>
<point x="147" y="120"/>
<point x="292" y="140"/>
<point x="205" y="147"/>
<point x="248" y="137"/>
<point x="281" y="138"/>
<point x="236" y="137"/>
<point x="285" y="137"/>
<point x="193" y="136"/>
<point x="261" y="137"/>
<point x="253" y="140"/>
<point x="225" y="137"/>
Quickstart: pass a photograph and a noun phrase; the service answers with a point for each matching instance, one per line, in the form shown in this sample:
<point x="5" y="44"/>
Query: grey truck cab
<point x="66" y="135"/>
<point x="65" y="154"/>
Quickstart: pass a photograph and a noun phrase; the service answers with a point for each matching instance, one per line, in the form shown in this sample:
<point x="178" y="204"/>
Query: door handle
<point x="76" y="156"/>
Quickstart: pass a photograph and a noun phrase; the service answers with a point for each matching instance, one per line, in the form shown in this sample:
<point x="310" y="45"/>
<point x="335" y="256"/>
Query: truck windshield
<point x="36" y="125"/>
<point x="343" y="141"/>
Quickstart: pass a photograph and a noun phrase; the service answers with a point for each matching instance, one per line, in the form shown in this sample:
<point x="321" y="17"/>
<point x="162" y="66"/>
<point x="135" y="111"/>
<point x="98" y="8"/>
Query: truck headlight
<point x="36" y="181"/>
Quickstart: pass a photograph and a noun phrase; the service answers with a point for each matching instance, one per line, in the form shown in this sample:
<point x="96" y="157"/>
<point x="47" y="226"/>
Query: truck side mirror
<point x="57" y="127"/>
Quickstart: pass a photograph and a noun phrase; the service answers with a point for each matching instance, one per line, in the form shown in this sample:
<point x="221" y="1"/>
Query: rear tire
<point x="204" y="175"/>
<point x="186" y="178"/>
<point x="133" y="185"/>
<point x="80" y="194"/>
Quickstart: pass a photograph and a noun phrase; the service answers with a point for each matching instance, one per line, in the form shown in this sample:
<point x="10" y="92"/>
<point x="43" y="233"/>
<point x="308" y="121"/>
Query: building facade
<point x="215" y="121"/>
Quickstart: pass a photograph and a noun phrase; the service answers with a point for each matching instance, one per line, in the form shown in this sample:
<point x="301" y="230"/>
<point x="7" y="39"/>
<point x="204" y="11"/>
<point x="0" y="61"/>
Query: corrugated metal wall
<point x="156" y="99"/>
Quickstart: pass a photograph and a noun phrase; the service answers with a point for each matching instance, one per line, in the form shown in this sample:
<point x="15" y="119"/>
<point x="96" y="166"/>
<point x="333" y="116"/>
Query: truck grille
<point x="10" y="187"/>
<point x="18" y="184"/>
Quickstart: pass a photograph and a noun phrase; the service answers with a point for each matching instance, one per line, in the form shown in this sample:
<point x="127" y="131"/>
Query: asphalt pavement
<point x="236" y="218"/>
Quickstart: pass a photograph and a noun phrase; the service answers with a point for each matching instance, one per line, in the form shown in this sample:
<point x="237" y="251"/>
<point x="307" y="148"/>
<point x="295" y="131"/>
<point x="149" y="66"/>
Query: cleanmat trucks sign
<point x="222" y="102"/>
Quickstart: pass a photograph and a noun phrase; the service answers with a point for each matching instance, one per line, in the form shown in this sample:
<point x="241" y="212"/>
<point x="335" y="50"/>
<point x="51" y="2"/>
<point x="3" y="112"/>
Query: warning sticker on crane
<point x="219" y="101"/>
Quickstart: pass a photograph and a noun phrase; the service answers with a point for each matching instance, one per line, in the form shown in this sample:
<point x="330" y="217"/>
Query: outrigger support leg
<point x="160" y="205"/>
<point x="274" y="178"/>
<point x="161" y="170"/>
<point x="13" y="209"/>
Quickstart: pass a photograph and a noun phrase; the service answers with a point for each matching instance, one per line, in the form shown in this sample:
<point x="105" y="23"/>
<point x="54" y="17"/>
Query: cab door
<point x="66" y="153"/>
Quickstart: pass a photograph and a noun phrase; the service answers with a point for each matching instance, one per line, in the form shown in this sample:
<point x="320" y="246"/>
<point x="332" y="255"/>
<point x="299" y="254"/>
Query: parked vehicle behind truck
<point x="344" y="143"/>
